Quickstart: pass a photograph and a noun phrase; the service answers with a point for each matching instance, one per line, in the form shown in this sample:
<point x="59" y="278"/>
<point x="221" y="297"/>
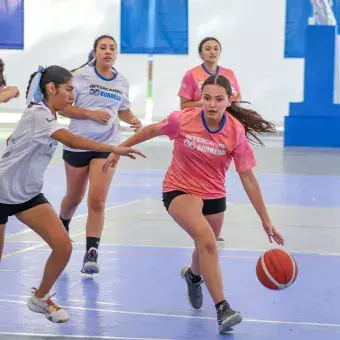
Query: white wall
<point x="251" y="33"/>
<point x="252" y="36"/>
<point x="62" y="32"/>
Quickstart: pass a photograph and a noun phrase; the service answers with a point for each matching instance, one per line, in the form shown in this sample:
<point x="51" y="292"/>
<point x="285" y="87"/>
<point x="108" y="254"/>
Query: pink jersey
<point x="201" y="158"/>
<point x="193" y="80"/>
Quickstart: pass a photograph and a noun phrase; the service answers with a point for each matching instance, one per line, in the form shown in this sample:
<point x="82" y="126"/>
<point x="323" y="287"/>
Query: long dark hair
<point x="52" y="74"/>
<point x="95" y="45"/>
<point x="2" y="77"/>
<point x="252" y="122"/>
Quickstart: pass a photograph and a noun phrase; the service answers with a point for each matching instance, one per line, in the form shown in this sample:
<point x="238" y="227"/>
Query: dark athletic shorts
<point x="13" y="209"/>
<point x="81" y="159"/>
<point x="210" y="207"/>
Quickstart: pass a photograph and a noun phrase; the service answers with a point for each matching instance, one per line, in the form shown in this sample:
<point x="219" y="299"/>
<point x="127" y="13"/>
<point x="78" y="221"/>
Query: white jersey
<point x="94" y="92"/>
<point x="27" y="156"/>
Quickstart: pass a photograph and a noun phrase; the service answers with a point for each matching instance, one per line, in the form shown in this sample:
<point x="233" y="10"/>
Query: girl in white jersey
<point x="102" y="96"/>
<point x="6" y="92"/>
<point x="22" y="169"/>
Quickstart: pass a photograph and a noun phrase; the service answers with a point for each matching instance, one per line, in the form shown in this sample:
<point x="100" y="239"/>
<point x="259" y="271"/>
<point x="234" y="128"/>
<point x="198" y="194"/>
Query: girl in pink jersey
<point x="209" y="50"/>
<point x="190" y="92"/>
<point x="205" y="142"/>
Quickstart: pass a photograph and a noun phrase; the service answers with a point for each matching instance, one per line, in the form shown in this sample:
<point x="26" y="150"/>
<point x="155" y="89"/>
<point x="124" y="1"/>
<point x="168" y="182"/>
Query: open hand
<point x="273" y="234"/>
<point x="113" y="158"/>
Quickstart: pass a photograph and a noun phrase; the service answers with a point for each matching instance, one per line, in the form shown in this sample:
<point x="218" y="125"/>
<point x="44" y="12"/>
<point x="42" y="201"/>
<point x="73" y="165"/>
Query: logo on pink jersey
<point x="189" y="144"/>
<point x="205" y="145"/>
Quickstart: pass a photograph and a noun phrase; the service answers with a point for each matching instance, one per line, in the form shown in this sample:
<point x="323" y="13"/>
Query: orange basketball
<point x="276" y="269"/>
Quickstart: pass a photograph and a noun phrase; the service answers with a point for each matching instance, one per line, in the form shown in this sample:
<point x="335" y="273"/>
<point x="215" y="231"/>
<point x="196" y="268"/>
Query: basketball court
<point x="139" y="293"/>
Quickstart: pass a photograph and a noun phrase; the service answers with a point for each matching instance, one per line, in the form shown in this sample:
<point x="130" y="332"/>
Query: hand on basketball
<point x="273" y="234"/>
<point x="135" y="124"/>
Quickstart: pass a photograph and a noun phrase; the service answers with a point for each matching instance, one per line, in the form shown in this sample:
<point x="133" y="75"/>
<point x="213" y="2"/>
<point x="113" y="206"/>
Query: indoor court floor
<point x="139" y="293"/>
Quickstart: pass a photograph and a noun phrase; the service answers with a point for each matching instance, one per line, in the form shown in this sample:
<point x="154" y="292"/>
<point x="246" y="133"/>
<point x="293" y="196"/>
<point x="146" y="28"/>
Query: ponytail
<point x="75" y="69"/>
<point x="30" y="82"/>
<point x="36" y="89"/>
<point x="91" y="57"/>
<point x="252" y="122"/>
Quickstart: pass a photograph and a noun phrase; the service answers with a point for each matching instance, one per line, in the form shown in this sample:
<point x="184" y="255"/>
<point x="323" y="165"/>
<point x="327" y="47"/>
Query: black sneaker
<point x="194" y="289"/>
<point x="227" y="318"/>
<point x="90" y="265"/>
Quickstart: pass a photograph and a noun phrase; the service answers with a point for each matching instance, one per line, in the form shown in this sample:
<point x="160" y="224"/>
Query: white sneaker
<point x="47" y="307"/>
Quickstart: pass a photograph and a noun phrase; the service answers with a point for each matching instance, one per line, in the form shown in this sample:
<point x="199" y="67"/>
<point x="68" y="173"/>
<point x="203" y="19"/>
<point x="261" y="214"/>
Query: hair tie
<point x="34" y="93"/>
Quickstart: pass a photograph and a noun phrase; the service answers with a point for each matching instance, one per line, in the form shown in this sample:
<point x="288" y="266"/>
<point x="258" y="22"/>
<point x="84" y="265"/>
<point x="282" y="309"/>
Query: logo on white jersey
<point x="94" y="92"/>
<point x="107" y="92"/>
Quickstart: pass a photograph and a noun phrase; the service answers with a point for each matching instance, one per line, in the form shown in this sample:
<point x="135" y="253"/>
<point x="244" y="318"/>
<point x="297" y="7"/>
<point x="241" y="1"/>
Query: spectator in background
<point x="6" y="92"/>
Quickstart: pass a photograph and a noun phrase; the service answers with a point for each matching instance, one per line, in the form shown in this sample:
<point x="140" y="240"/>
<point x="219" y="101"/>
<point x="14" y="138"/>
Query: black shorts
<point x="210" y="207"/>
<point x="81" y="159"/>
<point x="13" y="209"/>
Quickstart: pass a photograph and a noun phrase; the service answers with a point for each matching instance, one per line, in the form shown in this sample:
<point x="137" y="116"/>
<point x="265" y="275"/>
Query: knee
<point x="64" y="248"/>
<point x="206" y="243"/>
<point x="74" y="200"/>
<point x="96" y="204"/>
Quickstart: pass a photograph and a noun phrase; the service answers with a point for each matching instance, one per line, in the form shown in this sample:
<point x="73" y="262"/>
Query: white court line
<point x="41" y="245"/>
<point x="277" y="322"/>
<point x="72" y="300"/>
<point x="22" y="232"/>
<point x="79" y="336"/>
<point x="74" y="218"/>
<point x="24" y="250"/>
<point x="188" y="247"/>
